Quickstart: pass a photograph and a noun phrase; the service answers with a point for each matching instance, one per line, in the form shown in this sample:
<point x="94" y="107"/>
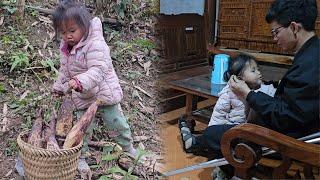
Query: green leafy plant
<point x="9" y="6"/>
<point x="108" y="154"/>
<point x="126" y="174"/>
<point x="48" y="63"/>
<point x="19" y="59"/>
<point x="132" y="75"/>
<point x="121" y="7"/>
<point x="118" y="170"/>
<point x="144" y="43"/>
<point x="2" y="88"/>
<point x="11" y="148"/>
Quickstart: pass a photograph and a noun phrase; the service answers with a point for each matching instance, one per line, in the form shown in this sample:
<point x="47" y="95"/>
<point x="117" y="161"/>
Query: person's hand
<point x="239" y="87"/>
<point x="73" y="84"/>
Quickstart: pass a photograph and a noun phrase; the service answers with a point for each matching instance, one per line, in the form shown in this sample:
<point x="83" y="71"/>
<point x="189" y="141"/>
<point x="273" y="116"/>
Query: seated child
<point x="229" y="109"/>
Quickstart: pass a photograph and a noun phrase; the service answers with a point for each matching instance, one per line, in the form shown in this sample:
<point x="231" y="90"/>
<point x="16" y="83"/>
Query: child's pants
<point x="115" y="123"/>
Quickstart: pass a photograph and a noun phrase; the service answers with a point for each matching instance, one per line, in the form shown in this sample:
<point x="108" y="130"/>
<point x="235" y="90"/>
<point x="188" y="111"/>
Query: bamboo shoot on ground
<point x="36" y="131"/>
<point x="64" y="121"/>
<point x="76" y="134"/>
<point x="50" y="137"/>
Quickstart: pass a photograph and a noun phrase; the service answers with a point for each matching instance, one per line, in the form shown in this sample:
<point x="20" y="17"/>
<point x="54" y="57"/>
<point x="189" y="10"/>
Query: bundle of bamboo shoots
<point x="40" y="132"/>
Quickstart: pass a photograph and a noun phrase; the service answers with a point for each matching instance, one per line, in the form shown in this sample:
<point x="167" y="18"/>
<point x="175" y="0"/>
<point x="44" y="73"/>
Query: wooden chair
<point x="246" y="156"/>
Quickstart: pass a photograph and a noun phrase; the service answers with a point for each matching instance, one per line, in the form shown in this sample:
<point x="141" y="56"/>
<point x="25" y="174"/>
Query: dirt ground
<point x="29" y="58"/>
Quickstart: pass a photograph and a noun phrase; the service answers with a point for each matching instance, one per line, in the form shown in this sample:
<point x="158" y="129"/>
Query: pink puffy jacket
<point x="89" y="61"/>
<point x="229" y="109"/>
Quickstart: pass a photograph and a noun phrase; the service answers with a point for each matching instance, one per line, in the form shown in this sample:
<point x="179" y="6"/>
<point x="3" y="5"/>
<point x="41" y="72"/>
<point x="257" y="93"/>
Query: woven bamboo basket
<point x="43" y="164"/>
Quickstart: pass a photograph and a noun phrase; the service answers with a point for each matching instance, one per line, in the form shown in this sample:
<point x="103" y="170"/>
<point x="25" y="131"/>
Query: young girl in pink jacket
<point x="229" y="110"/>
<point x="86" y="69"/>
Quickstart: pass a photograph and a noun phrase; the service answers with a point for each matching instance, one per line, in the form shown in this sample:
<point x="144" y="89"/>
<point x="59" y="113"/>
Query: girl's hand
<point x="239" y="87"/>
<point x="75" y="84"/>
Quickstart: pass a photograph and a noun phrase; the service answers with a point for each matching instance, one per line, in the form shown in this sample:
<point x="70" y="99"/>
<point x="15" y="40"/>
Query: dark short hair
<point x="236" y="65"/>
<point x="286" y="11"/>
<point x="72" y="10"/>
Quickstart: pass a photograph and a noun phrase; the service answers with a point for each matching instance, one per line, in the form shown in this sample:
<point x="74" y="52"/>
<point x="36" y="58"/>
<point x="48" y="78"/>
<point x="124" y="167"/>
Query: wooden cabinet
<point x="182" y="41"/>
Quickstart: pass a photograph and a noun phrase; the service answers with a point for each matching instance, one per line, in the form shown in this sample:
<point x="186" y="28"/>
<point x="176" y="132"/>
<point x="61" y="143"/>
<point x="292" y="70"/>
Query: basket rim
<point x="23" y="143"/>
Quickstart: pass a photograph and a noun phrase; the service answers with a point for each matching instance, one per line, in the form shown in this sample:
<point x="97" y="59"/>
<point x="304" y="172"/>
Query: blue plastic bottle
<point x="220" y="65"/>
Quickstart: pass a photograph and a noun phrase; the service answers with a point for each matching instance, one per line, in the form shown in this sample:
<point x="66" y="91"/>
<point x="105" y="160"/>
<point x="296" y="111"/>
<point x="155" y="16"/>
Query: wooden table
<point x="194" y="87"/>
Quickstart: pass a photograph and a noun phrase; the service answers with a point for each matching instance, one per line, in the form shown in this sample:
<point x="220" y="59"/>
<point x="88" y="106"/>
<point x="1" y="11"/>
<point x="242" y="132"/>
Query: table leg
<point x="191" y="105"/>
<point x="189" y="98"/>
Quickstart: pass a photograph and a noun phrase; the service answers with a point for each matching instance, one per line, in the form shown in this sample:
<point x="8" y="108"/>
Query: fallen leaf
<point x="154" y="53"/>
<point x="140" y="138"/>
<point x="24" y="95"/>
<point x="123" y="82"/>
<point x="40" y="53"/>
<point x="9" y="173"/>
<point x="1" y="20"/>
<point x="51" y="34"/>
<point x="145" y="92"/>
<point x="50" y="53"/>
<point x="136" y="94"/>
<point x="98" y="157"/>
<point x="141" y="146"/>
<point x="146" y="109"/>
<point x="146" y="67"/>
<point x="4" y="121"/>
<point x="45" y="43"/>
<point x="35" y="23"/>
<point x="27" y="45"/>
<point x="45" y="19"/>
<point x="2" y="52"/>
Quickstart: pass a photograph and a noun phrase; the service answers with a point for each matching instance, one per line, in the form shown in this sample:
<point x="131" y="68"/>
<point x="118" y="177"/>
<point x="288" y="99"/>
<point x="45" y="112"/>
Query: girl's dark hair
<point x="72" y="10"/>
<point x="236" y="65"/>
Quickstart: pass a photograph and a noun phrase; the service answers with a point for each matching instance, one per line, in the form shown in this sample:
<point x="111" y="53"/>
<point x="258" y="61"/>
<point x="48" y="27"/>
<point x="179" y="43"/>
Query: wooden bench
<point x="296" y="155"/>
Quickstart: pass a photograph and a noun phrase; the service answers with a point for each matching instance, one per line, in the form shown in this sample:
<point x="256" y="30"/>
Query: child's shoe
<point x="188" y="139"/>
<point x="133" y="152"/>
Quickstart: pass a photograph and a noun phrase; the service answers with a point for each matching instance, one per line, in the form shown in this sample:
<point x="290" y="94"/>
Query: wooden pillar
<point x="209" y="20"/>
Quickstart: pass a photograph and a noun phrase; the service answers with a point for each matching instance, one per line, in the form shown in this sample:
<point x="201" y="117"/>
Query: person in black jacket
<point x="294" y="110"/>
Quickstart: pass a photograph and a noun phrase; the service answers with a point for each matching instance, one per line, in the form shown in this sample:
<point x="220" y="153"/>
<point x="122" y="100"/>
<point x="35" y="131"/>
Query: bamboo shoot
<point x="64" y="121"/>
<point x="76" y="134"/>
<point x="36" y="131"/>
<point x="50" y="137"/>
